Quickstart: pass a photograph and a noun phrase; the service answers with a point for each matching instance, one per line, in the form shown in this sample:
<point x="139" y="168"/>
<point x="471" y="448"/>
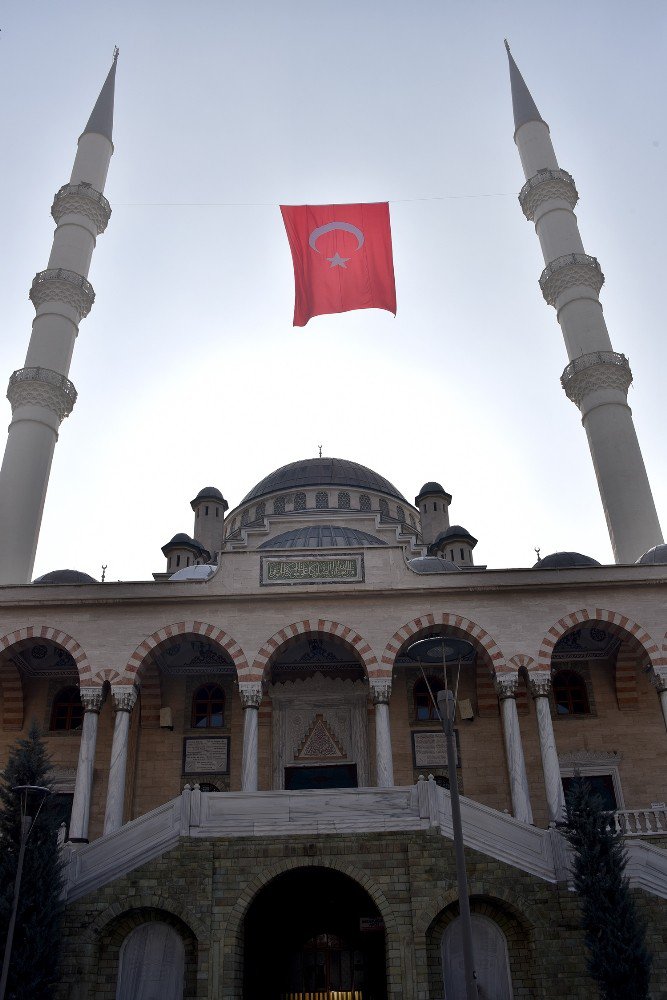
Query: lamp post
<point x="435" y="651"/>
<point x="31" y="796"/>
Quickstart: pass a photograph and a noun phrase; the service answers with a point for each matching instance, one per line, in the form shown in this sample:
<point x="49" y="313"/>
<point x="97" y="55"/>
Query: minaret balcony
<point x="599" y="370"/>
<point x="60" y="285"/>
<point x="546" y="185"/>
<point x="42" y="387"/>
<point x="568" y="271"/>
<point x="82" y="199"/>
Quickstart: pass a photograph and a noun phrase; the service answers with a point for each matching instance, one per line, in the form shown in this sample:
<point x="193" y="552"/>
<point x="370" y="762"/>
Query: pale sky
<point x="188" y="369"/>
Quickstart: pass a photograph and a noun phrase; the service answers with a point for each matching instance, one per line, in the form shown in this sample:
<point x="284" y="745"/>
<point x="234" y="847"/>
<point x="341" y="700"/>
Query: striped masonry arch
<point x="446" y="620"/>
<point x="620" y="624"/>
<point x="312" y="626"/>
<point x="207" y="631"/>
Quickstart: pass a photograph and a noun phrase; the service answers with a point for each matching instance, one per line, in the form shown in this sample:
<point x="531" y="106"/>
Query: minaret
<point x="41" y="395"/>
<point x="597" y="378"/>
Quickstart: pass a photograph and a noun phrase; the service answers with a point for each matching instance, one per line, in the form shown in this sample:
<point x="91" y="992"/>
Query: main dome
<point x="322" y="472"/>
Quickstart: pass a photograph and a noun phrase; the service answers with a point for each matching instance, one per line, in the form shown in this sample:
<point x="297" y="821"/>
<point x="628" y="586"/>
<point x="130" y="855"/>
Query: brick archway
<point x="444" y="619"/>
<point x="212" y="632"/>
<point x="619" y="623"/>
<point x="523" y="661"/>
<point x="316" y="626"/>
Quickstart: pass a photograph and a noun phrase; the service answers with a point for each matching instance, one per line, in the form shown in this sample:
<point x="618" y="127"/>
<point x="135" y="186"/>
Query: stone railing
<point x="641" y="822"/>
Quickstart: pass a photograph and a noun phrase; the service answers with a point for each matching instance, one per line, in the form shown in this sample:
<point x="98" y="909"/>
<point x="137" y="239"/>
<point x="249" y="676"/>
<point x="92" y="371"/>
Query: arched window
<point x="67" y="710"/>
<point x="208" y="707"/>
<point x="151" y="963"/>
<point x="279" y="505"/>
<point x="344" y="500"/>
<point x="570" y="693"/>
<point x="384" y="508"/>
<point x="364" y="502"/>
<point x="245" y="517"/>
<point x="260" y="511"/>
<point x="400" y="513"/>
<point x="322" y="500"/>
<point x="492" y="965"/>
<point x="425" y="710"/>
<point x="299" y="501"/>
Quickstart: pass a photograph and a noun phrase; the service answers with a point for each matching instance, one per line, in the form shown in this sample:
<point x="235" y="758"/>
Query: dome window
<point x="300" y="501"/>
<point x="208" y="707"/>
<point x="344" y="500"/>
<point x="400" y="513"/>
<point x="67" y="710"/>
<point x="245" y="517"/>
<point x="322" y="500"/>
<point x="279" y="505"/>
<point x="384" y="508"/>
<point x="364" y="502"/>
<point x="260" y="511"/>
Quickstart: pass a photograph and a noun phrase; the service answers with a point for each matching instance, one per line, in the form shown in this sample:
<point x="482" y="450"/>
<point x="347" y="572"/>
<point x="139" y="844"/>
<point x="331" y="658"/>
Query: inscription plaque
<point x="429" y="749"/>
<point x="346" y="568"/>
<point x="206" y="755"/>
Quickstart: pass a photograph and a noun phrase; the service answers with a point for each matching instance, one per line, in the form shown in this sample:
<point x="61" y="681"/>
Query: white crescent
<point x="346" y="226"/>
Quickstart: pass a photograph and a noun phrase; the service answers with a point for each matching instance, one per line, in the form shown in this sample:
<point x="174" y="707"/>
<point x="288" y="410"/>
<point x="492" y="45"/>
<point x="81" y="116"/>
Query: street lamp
<point x="32" y="800"/>
<point x="439" y="651"/>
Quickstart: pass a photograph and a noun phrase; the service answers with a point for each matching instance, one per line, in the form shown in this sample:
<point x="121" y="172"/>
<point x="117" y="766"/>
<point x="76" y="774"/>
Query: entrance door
<point x="326" y="969"/>
<point x="321" y="776"/>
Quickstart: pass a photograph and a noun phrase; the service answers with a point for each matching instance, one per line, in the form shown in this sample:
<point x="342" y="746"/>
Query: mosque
<point x="249" y="760"/>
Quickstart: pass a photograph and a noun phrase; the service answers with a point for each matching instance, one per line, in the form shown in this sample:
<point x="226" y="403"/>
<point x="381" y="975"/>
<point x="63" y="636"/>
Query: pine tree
<point x="34" y="957"/>
<point x="618" y="959"/>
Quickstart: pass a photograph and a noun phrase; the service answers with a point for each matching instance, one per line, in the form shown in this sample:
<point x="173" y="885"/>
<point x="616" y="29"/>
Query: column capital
<point x="124" y="697"/>
<point x="250" y="694"/>
<point x="381" y="691"/>
<point x="659" y="678"/>
<point x="91" y="698"/>
<point x="539" y="683"/>
<point x="506" y="685"/>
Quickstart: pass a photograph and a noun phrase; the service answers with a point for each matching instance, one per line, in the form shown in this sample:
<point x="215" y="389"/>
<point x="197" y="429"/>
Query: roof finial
<point x="320" y="447"/>
<point x="116" y="52"/>
<point x="101" y="120"/>
<point x="507" y="46"/>
<point x="525" y="109"/>
<point x="538" y="550"/>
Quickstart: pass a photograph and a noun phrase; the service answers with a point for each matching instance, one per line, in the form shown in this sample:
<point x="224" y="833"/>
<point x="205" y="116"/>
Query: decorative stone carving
<point x="60" y="285"/>
<point x="124" y="697"/>
<point x="539" y="684"/>
<point x="381" y="691"/>
<point x="506" y="687"/>
<point x="659" y="678"/>
<point x="82" y="199"/>
<point x="42" y="387"/>
<point x="566" y="272"/>
<point x="546" y="184"/>
<point x="599" y="370"/>
<point x="588" y="758"/>
<point x="251" y="694"/>
<point x="91" y="698"/>
<point x="320" y="742"/>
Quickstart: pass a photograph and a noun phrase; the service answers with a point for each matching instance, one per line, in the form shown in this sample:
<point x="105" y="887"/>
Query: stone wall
<point x="204" y="889"/>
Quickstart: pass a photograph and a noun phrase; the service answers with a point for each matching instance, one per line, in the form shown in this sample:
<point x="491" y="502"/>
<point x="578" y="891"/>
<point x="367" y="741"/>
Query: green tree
<point x="618" y="959"/>
<point x="34" y="958"/>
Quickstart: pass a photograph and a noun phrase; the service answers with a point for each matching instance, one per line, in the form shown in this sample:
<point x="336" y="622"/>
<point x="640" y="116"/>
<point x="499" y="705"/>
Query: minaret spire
<point x="41" y="393"/>
<point x="597" y="378"/>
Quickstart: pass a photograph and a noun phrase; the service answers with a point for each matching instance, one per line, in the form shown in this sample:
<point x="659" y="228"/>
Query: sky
<point x="188" y="369"/>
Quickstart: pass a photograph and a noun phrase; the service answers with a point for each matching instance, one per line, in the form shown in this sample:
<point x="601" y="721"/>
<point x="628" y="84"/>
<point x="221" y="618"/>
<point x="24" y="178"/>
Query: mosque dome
<point x="432" y="564"/>
<point x="565" y="560"/>
<point x="431" y="488"/>
<point x="321" y="536"/>
<point x="65" y="576"/>
<point x="322" y="472"/>
<point x="193" y="573"/>
<point x="456" y="532"/>
<point x="654" y="557"/>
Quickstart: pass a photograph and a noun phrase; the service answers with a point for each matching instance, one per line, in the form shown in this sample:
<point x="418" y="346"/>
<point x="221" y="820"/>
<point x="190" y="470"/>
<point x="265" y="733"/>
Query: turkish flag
<point x="342" y="258"/>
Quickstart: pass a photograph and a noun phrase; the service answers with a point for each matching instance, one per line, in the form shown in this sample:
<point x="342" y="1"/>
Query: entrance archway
<point x="314" y="934"/>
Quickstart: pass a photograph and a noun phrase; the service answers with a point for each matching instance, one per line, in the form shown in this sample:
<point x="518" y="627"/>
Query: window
<point x="279" y="505"/>
<point x="67" y="710"/>
<point x="570" y="693"/>
<point x="384" y="508"/>
<point x="208" y="707"/>
<point x="300" y="501"/>
<point x="462" y="555"/>
<point x="435" y="506"/>
<point x="169" y="563"/>
<point x="260" y="511"/>
<point x="425" y="710"/>
<point x="206" y="511"/>
<point x="364" y="502"/>
<point x="217" y="511"/>
<point x="245" y="516"/>
<point x="601" y="785"/>
<point x="344" y="500"/>
<point x="178" y="560"/>
<point x="322" y="501"/>
<point x="400" y="513"/>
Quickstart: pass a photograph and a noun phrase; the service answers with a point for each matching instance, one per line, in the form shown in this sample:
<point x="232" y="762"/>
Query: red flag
<point x="342" y="258"/>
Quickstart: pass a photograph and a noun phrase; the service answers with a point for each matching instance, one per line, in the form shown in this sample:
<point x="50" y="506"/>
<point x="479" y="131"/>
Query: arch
<point x="137" y="959"/>
<point x="320" y="625"/>
<point x="104" y="675"/>
<point x="446" y="619"/>
<point x="55" y="635"/>
<point x="620" y="624"/>
<point x="147" y="901"/>
<point x="514" y="903"/>
<point x="522" y="660"/>
<point x="212" y="632"/>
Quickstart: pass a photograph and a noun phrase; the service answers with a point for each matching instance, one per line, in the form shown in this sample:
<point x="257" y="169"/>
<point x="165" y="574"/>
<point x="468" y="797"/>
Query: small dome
<point x="65" y="576"/>
<point x="456" y="533"/>
<point x="565" y="560"/>
<point x="321" y="536"/>
<point x="654" y="557"/>
<point x="210" y="493"/>
<point x="183" y="541"/>
<point x="193" y="573"/>
<point x="428" y="489"/>
<point x="432" y="564"/>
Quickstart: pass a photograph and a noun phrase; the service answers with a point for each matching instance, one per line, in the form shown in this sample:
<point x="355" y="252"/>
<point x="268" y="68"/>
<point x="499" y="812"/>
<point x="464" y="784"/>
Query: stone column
<point x="660" y="681"/>
<point x="124" y="698"/>
<point x="251" y="699"/>
<point x="516" y="764"/>
<point x="91" y="699"/>
<point x="384" y="764"/>
<point x="540" y="686"/>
